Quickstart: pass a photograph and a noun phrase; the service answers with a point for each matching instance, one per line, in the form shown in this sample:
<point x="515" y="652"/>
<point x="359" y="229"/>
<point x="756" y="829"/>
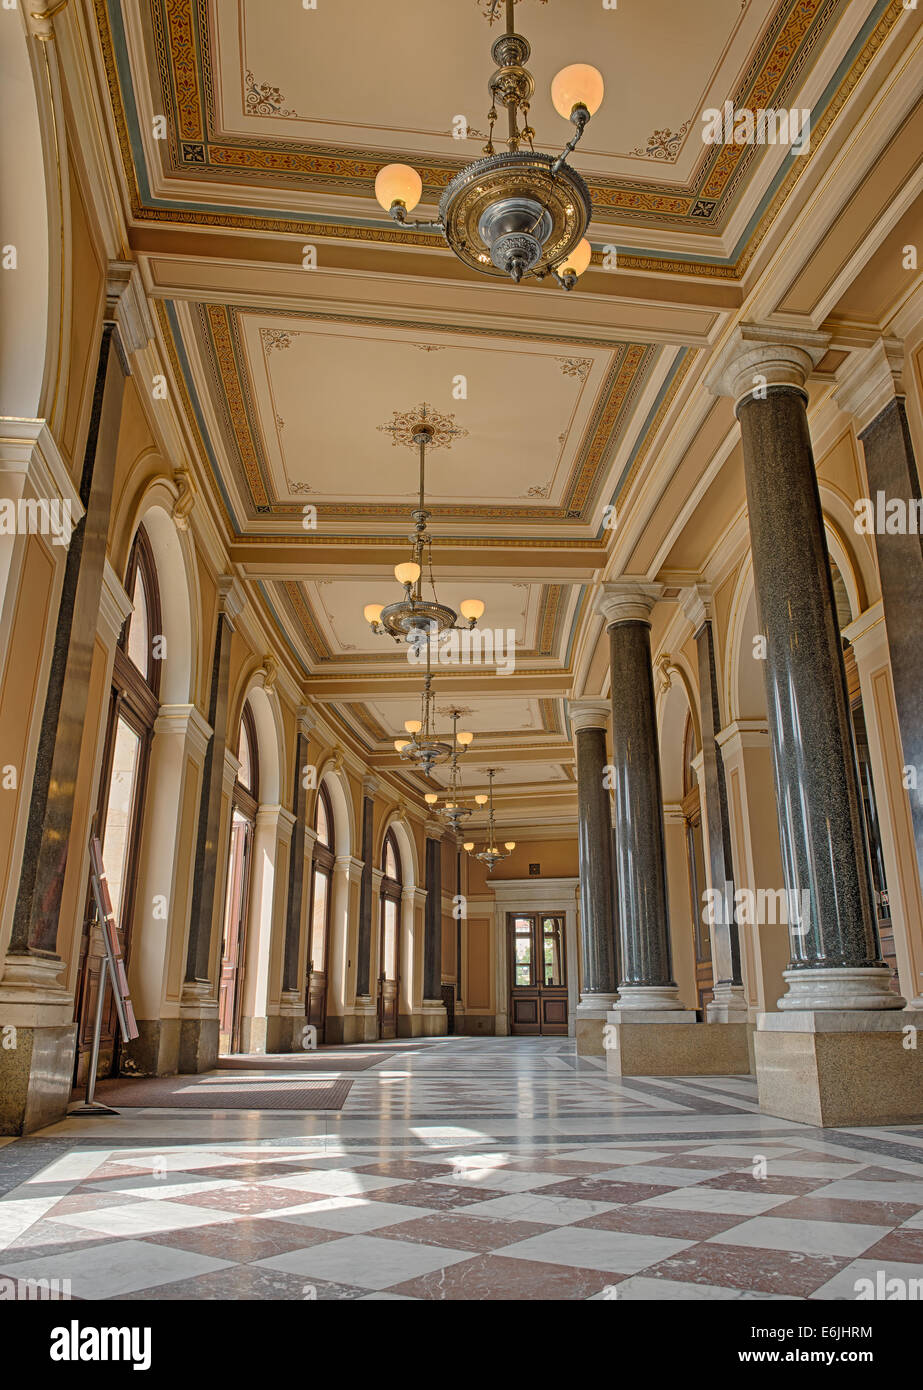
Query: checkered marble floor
<point x="468" y="1169"/>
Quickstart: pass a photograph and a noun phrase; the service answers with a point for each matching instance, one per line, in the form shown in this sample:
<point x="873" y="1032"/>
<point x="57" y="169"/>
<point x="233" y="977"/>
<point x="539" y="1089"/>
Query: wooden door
<point x="695" y="855"/>
<point x="388" y="964"/>
<point x="538" y="973"/>
<point x="232" y="950"/>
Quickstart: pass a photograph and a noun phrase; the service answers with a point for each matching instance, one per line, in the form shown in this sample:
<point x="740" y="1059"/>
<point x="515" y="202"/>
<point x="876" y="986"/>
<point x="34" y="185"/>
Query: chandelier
<point x="414" y="618"/>
<point x="453" y="811"/>
<point x="515" y="213"/>
<point x="490" y="855"/>
<point x="424" y="748"/>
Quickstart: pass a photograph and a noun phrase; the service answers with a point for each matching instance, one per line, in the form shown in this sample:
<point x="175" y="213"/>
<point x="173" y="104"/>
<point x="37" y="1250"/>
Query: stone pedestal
<point x="434" y="1019"/>
<point x="590" y="1023"/>
<point x="841" y="1067"/>
<point x="680" y="1047"/>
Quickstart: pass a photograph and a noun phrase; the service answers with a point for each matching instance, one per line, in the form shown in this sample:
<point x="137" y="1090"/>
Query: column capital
<point x="697" y="605"/>
<point x="588" y="714"/>
<point x="434" y="830"/>
<point x="231" y="597"/>
<point x="627" y="600"/>
<point x="126" y="305"/>
<point x="758" y="355"/>
<point x="870" y="381"/>
<point x="306" y="719"/>
<point x="184" y="721"/>
<point x="370" y="786"/>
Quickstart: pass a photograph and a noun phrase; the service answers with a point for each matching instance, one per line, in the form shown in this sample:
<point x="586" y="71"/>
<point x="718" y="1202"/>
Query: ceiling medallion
<point x="518" y="213"/>
<point x="490" y="854"/>
<point x="414" y="618"/>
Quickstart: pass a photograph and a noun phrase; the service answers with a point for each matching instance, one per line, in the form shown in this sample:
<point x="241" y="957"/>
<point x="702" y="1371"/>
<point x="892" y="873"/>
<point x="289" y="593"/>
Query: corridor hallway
<point x="478" y="1169"/>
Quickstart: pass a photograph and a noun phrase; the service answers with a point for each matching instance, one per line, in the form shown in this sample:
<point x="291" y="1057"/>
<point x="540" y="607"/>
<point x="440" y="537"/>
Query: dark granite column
<point x="870" y="393"/>
<point x="432" y="937"/>
<point x="51" y="808"/>
<point x="295" y="906"/>
<point x="729" y="1004"/>
<point x="646" y="981"/>
<point x="364" y="943"/>
<point x="198" y="988"/>
<point x="836" y="959"/>
<point x="589" y="720"/>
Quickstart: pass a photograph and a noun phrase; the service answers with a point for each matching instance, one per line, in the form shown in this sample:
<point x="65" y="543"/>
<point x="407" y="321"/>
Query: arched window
<point x="389" y="947"/>
<point x="321" y="905"/>
<point x="244" y="806"/>
<point x="133" y="707"/>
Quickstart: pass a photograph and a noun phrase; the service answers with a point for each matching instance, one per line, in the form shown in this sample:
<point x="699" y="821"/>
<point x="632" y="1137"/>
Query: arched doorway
<point x="321" y="909"/>
<point x="133" y="708"/>
<point x="244" y="803"/>
<point x="389" y="939"/>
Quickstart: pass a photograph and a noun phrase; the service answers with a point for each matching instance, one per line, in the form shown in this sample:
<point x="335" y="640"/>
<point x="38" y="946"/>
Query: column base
<point x="198" y="1045"/>
<point x="590" y="1022"/>
<point x="286" y="1033"/>
<point x="728" y="1006"/>
<point x="655" y="1000"/>
<point x="685" y="1049"/>
<point x="840" y="987"/>
<point x="359" y="1026"/>
<point x="36" y="1077"/>
<point x="435" y="1020"/>
<point x="155" y="1051"/>
<point x="842" y="1067"/>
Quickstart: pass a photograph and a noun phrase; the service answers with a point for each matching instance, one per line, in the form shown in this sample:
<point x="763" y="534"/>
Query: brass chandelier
<point x="452" y="810"/>
<point x="424" y="748"/>
<point x="490" y="854"/>
<point x="516" y="213"/>
<point x="414" y="618"/>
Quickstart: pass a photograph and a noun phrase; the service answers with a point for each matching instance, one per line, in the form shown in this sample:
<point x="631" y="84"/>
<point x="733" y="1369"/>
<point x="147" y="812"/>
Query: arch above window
<point x="323" y="818"/>
<point x="391" y="860"/>
<point x="142" y="627"/>
<point x="248" y="774"/>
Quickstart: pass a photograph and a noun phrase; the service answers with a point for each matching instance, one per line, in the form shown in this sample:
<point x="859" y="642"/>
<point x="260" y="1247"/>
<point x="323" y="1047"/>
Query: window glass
<point x="123" y="786"/>
<point x="139" y="647"/>
<point x="319" y="921"/>
<point x="522" y="950"/>
<point x="553" y="950"/>
<point x="391" y="869"/>
<point x="245" y="757"/>
<point x="389" y="945"/>
<point x="323" y="822"/>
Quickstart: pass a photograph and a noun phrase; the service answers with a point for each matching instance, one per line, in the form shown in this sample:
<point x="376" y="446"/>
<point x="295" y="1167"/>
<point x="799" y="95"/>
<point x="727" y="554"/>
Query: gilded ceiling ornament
<point x="576" y="366"/>
<point x="404" y="427"/>
<point x="262" y="99"/>
<point x="663" y="144"/>
<point x="275" y="338"/>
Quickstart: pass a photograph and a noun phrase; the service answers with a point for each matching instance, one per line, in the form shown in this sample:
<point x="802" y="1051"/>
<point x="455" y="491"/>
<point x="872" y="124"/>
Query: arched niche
<point x="674" y="708"/>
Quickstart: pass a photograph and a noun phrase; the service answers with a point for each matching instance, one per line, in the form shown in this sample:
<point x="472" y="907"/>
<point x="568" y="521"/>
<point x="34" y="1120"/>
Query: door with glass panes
<point x="538" y="973"/>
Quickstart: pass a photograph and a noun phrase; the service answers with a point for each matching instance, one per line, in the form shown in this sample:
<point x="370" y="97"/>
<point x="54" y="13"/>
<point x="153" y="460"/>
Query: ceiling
<point x="301" y="325"/>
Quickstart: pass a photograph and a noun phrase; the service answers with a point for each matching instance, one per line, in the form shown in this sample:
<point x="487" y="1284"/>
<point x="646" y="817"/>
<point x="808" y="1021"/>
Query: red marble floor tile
<point x="602" y="1190"/>
<point x="820" y="1208"/>
<point x="901" y="1247"/>
<point x="660" y="1221"/>
<point x="494" y="1278"/>
<point x="90" y="1201"/>
<point x="245" y="1282"/>
<point x="244" y="1240"/>
<point x="405" y="1168"/>
<point x="255" y="1197"/>
<point x="772" y="1187"/>
<point x="456" y="1231"/>
<point x="760" y="1271"/>
<point x="438" y="1196"/>
<point x="883" y="1175"/>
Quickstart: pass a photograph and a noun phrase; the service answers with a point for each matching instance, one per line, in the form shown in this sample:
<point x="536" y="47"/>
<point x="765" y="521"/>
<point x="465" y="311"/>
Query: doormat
<point x="302" y="1061"/>
<point x="217" y="1092"/>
